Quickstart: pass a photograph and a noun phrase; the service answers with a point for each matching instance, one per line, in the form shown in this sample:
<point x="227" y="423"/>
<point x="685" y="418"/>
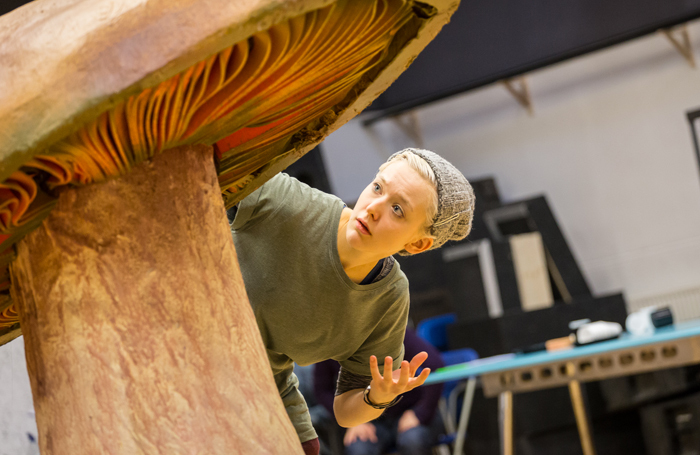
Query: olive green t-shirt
<point x="306" y="307"/>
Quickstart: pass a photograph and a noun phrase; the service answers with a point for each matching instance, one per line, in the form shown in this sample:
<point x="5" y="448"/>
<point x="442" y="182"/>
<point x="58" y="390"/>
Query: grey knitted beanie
<point x="455" y="209"/>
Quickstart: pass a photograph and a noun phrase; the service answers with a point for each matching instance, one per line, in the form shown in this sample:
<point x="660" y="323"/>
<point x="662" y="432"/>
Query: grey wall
<point x="609" y="144"/>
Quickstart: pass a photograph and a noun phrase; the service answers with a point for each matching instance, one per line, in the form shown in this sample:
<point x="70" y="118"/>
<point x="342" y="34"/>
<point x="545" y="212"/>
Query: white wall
<point x="16" y="408"/>
<point x="609" y="145"/>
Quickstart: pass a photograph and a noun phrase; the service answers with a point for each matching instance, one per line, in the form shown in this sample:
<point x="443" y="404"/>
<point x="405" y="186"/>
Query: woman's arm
<point x="351" y="410"/>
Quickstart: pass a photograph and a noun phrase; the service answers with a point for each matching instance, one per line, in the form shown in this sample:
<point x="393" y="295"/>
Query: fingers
<point x="374" y="369"/>
<point x="388" y="367"/>
<point x="417" y="361"/>
<point x="350" y="437"/>
<point x="418" y="381"/>
<point x="407" y="421"/>
<point x="401" y="380"/>
<point x="365" y="432"/>
<point x="373" y="434"/>
<point x="404" y="376"/>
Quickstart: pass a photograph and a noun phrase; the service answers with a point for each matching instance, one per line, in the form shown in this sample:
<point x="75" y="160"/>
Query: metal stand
<point x="464" y="416"/>
<point x="681" y="41"/>
<point x="584" y="431"/>
<point x="505" y="404"/>
<point x="410" y="126"/>
<point x="518" y="87"/>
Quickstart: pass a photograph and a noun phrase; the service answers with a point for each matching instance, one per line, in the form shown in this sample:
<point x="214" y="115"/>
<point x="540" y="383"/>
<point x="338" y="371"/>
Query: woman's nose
<point x="373" y="209"/>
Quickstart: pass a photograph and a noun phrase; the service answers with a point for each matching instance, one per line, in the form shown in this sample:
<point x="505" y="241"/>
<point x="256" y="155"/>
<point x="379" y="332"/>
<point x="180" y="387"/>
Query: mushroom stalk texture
<point x="138" y="331"/>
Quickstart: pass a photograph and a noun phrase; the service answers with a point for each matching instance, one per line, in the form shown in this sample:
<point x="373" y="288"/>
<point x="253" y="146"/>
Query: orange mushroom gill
<point x="248" y="100"/>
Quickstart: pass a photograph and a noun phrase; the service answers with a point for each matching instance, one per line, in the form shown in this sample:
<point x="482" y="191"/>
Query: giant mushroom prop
<point x="122" y="125"/>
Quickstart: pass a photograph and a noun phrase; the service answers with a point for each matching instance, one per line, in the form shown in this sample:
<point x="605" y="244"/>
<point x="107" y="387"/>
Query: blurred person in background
<point x="411" y="426"/>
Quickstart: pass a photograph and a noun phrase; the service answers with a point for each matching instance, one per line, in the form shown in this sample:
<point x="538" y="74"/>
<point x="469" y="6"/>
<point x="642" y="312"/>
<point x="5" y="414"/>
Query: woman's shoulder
<point x="400" y="279"/>
<point x="395" y="293"/>
<point x="297" y="194"/>
<point x="282" y="195"/>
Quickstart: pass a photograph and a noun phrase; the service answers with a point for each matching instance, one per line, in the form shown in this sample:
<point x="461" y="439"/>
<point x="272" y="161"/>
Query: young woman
<point x="323" y="283"/>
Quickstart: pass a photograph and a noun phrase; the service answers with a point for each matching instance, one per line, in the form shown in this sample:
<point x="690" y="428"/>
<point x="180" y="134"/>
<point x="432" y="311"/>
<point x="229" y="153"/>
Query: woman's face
<point x="391" y="211"/>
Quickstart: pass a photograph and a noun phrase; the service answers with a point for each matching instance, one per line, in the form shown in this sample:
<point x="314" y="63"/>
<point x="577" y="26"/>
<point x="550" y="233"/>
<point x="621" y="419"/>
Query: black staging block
<point x="672" y="427"/>
<point x="518" y="330"/>
<point x="535" y="215"/>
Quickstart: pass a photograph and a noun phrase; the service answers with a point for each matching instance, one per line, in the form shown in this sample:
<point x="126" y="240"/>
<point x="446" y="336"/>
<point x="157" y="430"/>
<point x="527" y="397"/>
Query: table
<point x="502" y="376"/>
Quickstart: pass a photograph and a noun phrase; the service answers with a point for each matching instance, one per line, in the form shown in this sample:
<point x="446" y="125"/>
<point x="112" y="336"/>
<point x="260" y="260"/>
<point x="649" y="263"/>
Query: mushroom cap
<point x="82" y="73"/>
<point x="65" y="62"/>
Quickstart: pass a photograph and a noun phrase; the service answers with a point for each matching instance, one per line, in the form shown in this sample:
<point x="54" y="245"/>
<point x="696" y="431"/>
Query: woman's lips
<point x="362" y="228"/>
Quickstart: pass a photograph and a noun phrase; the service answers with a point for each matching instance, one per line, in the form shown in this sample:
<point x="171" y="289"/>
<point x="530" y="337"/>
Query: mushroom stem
<point x="139" y="336"/>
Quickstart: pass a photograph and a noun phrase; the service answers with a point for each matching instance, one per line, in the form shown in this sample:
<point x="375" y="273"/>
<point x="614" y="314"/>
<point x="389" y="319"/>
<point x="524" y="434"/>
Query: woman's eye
<point x="377" y="187"/>
<point x="398" y="210"/>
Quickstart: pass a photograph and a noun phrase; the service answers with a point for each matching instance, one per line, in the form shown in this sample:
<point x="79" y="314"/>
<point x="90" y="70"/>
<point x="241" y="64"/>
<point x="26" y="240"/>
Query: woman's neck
<point x="356" y="264"/>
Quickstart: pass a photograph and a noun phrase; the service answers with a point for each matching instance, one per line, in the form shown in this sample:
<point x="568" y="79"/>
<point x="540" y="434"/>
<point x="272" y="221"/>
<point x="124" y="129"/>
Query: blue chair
<point x="451" y="390"/>
<point x="434" y="331"/>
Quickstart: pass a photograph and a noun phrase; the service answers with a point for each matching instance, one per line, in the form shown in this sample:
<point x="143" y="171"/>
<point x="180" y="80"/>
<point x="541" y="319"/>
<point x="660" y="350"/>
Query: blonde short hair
<point x="422" y="167"/>
<point x="455" y="197"/>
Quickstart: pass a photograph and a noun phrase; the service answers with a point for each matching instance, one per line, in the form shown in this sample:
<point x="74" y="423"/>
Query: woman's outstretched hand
<point x="393" y="383"/>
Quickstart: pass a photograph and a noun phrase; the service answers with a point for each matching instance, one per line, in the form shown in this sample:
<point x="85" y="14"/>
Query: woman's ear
<point x="419" y="245"/>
